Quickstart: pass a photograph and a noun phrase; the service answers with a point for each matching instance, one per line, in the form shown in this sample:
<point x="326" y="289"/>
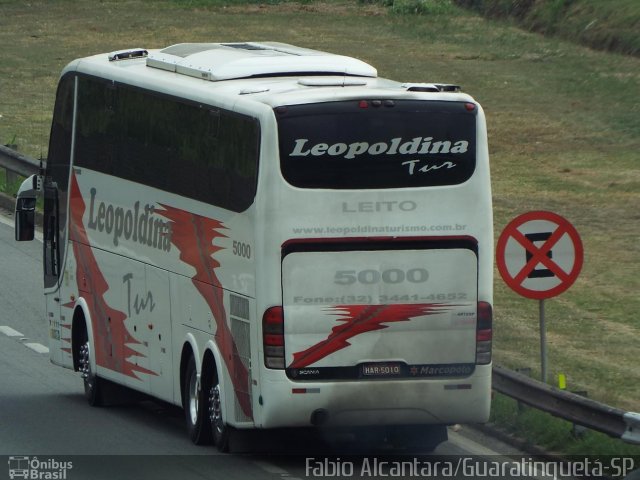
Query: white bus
<point x="269" y="236"/>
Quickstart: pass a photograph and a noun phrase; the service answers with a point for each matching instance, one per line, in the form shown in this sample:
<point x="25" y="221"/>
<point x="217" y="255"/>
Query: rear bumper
<point x="374" y="402"/>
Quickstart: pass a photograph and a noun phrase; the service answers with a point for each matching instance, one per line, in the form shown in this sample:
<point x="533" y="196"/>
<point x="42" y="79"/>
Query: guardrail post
<point x="527" y="372"/>
<point x="578" y="430"/>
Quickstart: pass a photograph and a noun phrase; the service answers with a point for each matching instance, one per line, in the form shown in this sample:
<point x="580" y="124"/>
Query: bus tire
<point x="92" y="383"/>
<point x="195" y="402"/>
<point x="220" y="430"/>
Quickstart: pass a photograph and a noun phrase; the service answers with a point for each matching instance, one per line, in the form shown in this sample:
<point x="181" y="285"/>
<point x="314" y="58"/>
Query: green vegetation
<point x="564" y="132"/>
<point x="419" y="7"/>
<point x="10" y="187"/>
<point x="553" y="434"/>
<point x="603" y="24"/>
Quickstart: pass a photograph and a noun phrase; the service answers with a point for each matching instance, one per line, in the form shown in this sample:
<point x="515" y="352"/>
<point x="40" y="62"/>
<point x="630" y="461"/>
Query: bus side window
<point x="173" y="144"/>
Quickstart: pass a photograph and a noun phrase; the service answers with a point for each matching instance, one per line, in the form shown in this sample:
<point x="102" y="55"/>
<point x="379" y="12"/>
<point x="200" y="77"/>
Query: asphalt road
<point x="45" y="420"/>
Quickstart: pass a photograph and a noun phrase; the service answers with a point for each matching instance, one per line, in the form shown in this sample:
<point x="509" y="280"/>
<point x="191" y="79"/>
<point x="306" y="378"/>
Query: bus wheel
<point x="92" y="384"/>
<point x="221" y="431"/>
<point x="195" y="401"/>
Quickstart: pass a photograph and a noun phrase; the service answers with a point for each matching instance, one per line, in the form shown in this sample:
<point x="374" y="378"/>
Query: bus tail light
<point x="484" y="333"/>
<point x="273" y="337"/>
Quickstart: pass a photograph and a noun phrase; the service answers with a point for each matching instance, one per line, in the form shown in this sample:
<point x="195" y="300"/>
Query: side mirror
<point x="25" y="213"/>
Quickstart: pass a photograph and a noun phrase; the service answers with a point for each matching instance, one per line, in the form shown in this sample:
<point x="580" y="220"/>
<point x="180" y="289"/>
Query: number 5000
<point x="392" y="275"/>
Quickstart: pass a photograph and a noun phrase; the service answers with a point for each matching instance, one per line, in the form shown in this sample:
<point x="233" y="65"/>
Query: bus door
<point x="51" y="260"/>
<point x="59" y="309"/>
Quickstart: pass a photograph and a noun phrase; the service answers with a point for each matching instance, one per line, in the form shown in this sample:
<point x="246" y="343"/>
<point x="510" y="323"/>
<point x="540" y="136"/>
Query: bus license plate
<point x="381" y="369"/>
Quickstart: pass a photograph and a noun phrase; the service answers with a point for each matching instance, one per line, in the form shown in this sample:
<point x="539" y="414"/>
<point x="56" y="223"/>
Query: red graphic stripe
<point x="111" y="337"/>
<point x="193" y="235"/>
<point x="359" y="319"/>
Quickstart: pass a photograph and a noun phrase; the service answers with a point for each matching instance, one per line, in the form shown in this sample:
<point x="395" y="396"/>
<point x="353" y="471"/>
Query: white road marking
<point x="10" y="332"/>
<point x="37" y="347"/>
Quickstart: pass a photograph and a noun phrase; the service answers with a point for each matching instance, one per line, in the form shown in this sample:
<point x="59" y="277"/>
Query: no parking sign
<point x="539" y="254"/>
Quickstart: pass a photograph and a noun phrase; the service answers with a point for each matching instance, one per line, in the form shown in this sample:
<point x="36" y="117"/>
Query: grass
<point x="606" y="25"/>
<point x="554" y="434"/>
<point x="9" y="187"/>
<point x="564" y="128"/>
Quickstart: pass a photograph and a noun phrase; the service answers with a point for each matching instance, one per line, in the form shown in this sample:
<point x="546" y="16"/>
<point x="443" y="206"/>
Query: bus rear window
<point x="377" y="144"/>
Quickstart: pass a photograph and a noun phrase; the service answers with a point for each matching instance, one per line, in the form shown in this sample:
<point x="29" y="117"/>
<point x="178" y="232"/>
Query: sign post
<point x="543" y="342"/>
<point x="539" y="256"/>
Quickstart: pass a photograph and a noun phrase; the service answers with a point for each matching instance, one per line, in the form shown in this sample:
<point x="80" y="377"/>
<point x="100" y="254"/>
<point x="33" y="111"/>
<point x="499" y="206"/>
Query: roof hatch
<point x="226" y="61"/>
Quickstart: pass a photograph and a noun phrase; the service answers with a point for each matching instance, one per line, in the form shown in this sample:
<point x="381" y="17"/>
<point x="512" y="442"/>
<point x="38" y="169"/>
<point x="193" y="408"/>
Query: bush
<point x="416" y="7"/>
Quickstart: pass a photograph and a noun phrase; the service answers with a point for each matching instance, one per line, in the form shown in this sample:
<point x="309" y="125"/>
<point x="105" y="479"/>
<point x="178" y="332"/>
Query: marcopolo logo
<point x="38" y="469"/>
<point x="397" y="146"/>
<point x="136" y="224"/>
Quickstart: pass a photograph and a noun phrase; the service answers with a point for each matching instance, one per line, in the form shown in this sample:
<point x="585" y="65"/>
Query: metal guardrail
<point x="16" y="163"/>
<point x="560" y="403"/>
<point x="569" y="406"/>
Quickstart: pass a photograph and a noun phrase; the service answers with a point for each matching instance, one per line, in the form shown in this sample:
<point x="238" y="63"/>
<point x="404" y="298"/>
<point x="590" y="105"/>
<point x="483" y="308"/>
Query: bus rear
<point x="381" y="217"/>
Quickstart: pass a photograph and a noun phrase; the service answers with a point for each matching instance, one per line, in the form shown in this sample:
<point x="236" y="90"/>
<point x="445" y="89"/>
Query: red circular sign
<point x="539" y="255"/>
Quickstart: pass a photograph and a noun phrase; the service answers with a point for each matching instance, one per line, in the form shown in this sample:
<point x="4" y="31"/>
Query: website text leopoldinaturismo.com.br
<point x="369" y="229"/>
